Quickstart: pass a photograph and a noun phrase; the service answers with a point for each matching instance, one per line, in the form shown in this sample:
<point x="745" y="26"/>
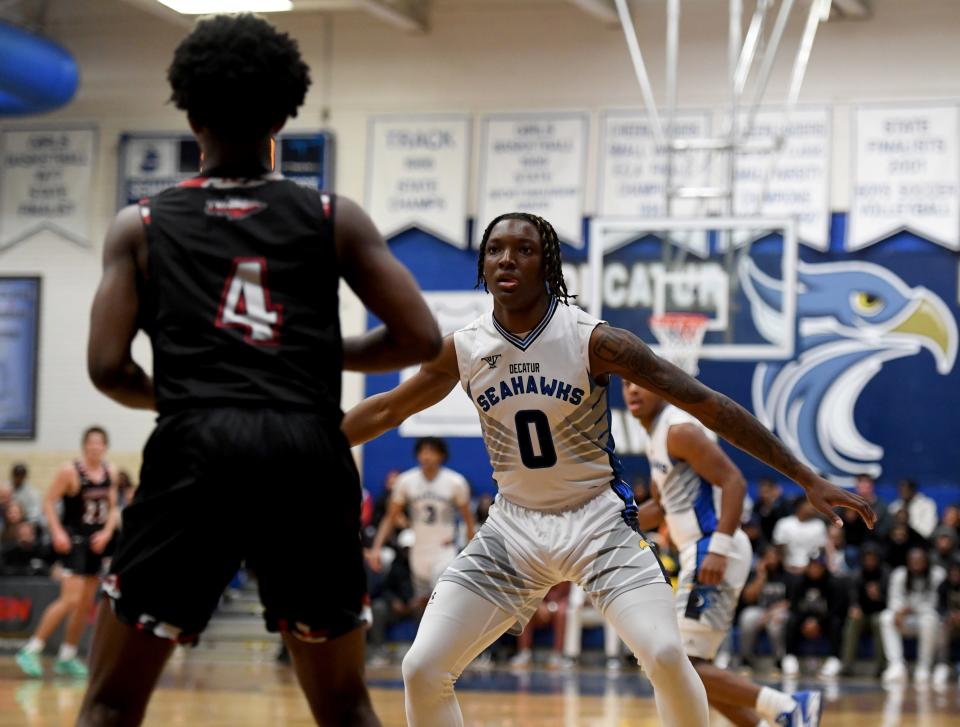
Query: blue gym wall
<point x="908" y="407"/>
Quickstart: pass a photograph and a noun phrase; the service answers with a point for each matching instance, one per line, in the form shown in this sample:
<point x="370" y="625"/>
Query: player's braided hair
<point x="552" y="264"/>
<point x="238" y="76"/>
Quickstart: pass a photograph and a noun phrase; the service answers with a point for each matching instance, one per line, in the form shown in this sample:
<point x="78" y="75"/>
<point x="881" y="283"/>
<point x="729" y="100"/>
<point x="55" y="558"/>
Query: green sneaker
<point x="29" y="663"/>
<point x="70" y="668"/>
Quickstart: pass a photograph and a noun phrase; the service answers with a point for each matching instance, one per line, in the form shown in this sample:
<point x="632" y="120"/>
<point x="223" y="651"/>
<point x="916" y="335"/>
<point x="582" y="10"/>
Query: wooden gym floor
<point x="207" y="690"/>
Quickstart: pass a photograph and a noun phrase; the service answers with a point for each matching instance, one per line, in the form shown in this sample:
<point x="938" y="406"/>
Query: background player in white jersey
<point x="700" y="492"/>
<point x="537" y="370"/>
<point x="434" y="494"/>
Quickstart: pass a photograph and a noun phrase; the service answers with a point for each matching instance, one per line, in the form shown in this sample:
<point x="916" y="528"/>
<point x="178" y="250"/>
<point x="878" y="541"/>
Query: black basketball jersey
<point x="86" y="512"/>
<point x="241" y="299"/>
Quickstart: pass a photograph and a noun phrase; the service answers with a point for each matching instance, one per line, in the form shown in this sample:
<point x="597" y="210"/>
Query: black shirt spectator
<point x="25" y="556"/>
<point x="855" y="530"/>
<point x="944" y="542"/>
<point x="901" y="540"/>
<point x="818" y="605"/>
<point x="771" y="506"/>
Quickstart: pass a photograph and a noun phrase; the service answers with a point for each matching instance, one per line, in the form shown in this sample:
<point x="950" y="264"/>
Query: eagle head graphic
<point x="852" y="317"/>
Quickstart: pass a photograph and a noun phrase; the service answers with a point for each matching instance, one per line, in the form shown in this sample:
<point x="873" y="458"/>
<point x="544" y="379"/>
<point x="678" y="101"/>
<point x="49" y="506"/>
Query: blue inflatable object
<point x="36" y="75"/>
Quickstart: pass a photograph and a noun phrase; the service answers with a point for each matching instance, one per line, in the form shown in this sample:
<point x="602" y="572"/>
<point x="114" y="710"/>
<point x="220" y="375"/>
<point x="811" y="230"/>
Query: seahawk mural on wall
<point x="852" y="317"/>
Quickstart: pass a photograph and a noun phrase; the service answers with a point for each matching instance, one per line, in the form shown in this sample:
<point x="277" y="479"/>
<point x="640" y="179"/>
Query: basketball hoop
<point x="680" y="336"/>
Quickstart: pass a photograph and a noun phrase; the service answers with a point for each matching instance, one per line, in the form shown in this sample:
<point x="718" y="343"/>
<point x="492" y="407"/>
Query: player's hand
<point x="900" y="618"/>
<point x="61" y="542"/>
<point x="824" y="497"/>
<point x="373" y="559"/>
<point x="712" y="569"/>
<point x="99" y="540"/>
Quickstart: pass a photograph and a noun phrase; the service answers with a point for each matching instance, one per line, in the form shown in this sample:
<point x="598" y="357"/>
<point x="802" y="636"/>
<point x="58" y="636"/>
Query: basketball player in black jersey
<point x="86" y="489"/>
<point x="234" y="275"/>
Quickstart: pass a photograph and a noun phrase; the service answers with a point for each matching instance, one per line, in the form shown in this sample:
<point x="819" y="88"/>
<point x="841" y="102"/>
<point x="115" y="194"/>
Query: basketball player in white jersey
<point x="700" y="493"/>
<point x="434" y="494"/>
<point x="537" y="370"/>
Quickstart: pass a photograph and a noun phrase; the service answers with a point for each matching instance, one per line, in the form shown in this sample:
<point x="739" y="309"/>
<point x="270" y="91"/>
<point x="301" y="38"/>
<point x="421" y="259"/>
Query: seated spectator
<point x="912" y="611"/>
<point x="771" y="506"/>
<point x="396" y="601"/>
<point x="948" y="606"/>
<point x="901" y="540"/>
<point x="868" y="598"/>
<point x="855" y="529"/>
<point x="754" y="531"/>
<point x="483" y="508"/>
<point x="579" y="607"/>
<point x="25" y="494"/>
<point x="12" y="517"/>
<point x="800" y="535"/>
<point x="552" y="611"/>
<point x="766" y="605"/>
<point x="837" y="552"/>
<point x="944" y="543"/>
<point x="25" y="556"/>
<point x="922" y="510"/>
<point x="818" y="604"/>
<point x="951" y="518"/>
<point x="382" y="503"/>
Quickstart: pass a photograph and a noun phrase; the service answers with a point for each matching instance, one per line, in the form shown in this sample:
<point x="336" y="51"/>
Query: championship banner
<point x="46" y="178"/>
<point x="455" y="415"/>
<point x="906" y="174"/>
<point x="534" y="163"/>
<point x="150" y="163"/>
<point x="19" y="336"/>
<point x="794" y="181"/>
<point x="633" y="167"/>
<point x="417" y="172"/>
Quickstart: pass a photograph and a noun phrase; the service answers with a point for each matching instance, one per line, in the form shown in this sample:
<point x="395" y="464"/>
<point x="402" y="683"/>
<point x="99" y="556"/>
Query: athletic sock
<point x="34" y="645"/>
<point x="67" y="652"/>
<point x="762" y="723"/>
<point x="771" y="703"/>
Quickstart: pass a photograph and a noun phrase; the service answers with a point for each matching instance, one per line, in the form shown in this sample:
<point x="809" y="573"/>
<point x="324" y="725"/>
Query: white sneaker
<point x="831" y="668"/>
<point x="896" y="672"/>
<point x="921" y="675"/>
<point x="790" y="665"/>
<point x="555" y="660"/>
<point x="941" y="675"/>
<point x="614" y="664"/>
<point x="522" y="660"/>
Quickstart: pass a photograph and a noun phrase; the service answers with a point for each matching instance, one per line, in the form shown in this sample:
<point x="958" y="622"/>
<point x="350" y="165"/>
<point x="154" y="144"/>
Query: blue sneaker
<point x="807" y="712"/>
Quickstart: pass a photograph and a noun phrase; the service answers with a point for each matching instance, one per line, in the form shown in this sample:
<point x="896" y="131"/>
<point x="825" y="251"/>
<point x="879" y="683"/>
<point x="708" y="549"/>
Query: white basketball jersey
<point x="433" y="505"/>
<point x="691" y="505"/>
<point x="545" y="422"/>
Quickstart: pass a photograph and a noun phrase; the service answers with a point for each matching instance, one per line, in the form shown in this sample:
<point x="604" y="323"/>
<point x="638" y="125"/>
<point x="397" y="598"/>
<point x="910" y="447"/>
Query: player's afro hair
<point x="238" y="76"/>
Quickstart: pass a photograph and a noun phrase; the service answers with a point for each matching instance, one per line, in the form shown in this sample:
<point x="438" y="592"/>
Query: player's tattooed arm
<point x="381" y="412"/>
<point x="616" y="351"/>
<point x="115" y="313"/>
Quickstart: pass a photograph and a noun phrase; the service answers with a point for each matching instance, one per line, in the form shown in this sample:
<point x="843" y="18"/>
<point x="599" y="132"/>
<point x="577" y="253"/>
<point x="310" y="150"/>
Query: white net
<point x="680" y="336"/>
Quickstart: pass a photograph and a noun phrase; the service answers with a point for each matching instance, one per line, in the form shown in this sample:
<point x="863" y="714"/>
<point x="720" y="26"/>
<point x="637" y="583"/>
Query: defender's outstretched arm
<point x="372" y="417"/>
<point x="616" y="351"/>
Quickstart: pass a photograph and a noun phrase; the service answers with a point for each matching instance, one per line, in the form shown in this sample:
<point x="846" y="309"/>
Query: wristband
<point x="722" y="544"/>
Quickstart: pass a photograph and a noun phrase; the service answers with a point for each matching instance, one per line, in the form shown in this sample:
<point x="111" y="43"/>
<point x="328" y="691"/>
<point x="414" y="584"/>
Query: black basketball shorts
<point x="275" y="489"/>
<point x="81" y="560"/>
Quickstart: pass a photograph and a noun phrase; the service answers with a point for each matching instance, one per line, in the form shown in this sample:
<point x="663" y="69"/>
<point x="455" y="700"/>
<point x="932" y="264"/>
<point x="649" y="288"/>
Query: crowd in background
<point x="844" y="594"/>
<point x="25" y="541"/>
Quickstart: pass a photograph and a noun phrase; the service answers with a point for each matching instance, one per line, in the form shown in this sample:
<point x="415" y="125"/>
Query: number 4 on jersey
<point x="246" y="304"/>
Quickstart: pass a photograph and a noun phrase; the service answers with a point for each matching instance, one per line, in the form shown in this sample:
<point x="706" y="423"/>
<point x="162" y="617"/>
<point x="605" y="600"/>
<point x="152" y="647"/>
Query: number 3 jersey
<point x="545" y="421"/>
<point x="433" y="505"/>
<point x="240" y="296"/>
